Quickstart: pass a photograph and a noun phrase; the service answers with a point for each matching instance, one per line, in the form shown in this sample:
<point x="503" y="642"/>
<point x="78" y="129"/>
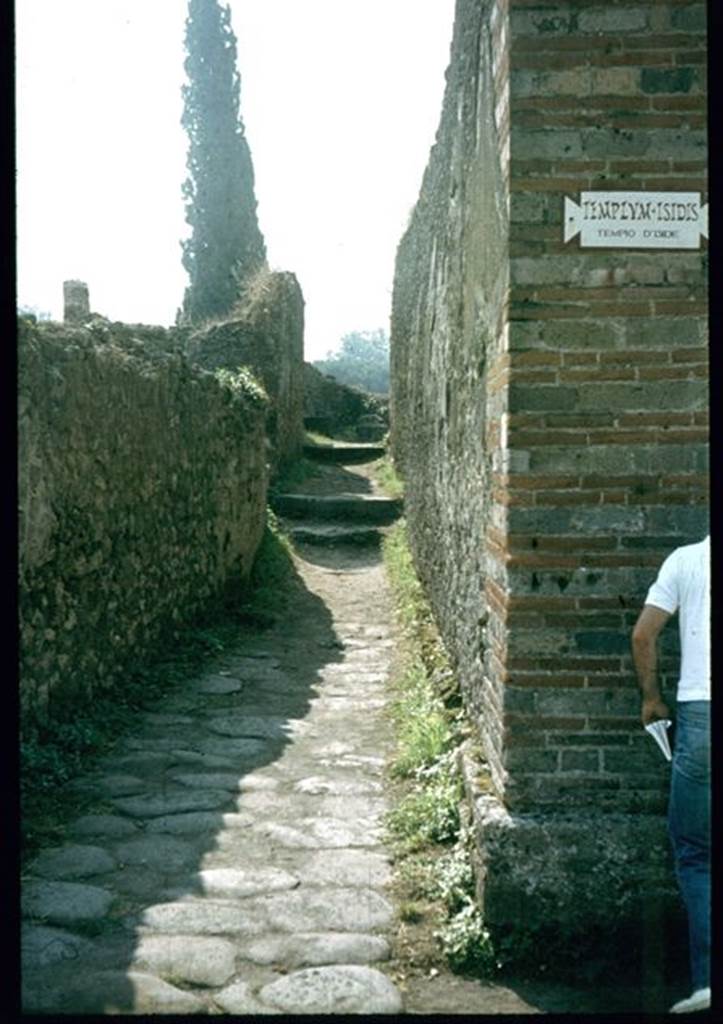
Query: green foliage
<point x="242" y="381"/>
<point x="410" y="602"/>
<point x="429" y="814"/>
<point x="422" y="727"/>
<point x="467" y="944"/>
<point x="464" y="939"/>
<point x="454" y="877"/>
<point x="34" y="313"/>
<point x="411" y="912"/>
<point x="225" y="247"/>
<point x="418" y="877"/>
<point x="428" y="817"/>
<point x="361" y="362"/>
<point x="386" y="477"/>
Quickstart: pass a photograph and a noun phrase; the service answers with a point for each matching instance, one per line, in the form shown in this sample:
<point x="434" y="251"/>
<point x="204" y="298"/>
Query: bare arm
<point x="645" y="636"/>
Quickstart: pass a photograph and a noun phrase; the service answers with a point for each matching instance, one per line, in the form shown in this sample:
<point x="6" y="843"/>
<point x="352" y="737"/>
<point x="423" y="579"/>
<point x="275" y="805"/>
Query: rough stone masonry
<point x="142" y="491"/>
<point x="549" y="415"/>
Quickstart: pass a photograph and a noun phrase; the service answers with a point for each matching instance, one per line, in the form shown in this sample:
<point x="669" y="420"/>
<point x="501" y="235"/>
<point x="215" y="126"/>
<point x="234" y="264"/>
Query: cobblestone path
<point x="234" y="860"/>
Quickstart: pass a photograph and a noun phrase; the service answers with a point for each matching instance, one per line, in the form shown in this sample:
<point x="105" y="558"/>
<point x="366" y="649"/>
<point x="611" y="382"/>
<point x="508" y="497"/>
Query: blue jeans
<point x="689" y="828"/>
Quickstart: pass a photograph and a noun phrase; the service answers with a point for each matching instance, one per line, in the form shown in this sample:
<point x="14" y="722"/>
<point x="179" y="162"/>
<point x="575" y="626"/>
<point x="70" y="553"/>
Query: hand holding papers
<point x="659" y="731"/>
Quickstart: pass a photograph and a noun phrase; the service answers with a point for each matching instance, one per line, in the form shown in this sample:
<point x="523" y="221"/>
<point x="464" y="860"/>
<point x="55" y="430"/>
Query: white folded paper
<point x="659" y="731"/>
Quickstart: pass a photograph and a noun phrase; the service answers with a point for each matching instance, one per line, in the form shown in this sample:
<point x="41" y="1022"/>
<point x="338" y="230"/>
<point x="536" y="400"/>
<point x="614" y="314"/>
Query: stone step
<point x="326" y="534"/>
<point x="348" y="508"/>
<point x="342" y="452"/>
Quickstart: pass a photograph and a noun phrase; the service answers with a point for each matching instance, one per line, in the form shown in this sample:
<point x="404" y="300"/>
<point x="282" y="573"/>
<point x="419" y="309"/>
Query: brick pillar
<point x="608" y="387"/>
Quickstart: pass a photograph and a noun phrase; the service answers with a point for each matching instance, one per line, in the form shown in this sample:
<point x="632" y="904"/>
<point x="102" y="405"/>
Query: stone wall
<point x="267" y="336"/>
<point x="331" y="407"/>
<point x="553" y="438"/>
<point x="142" y="488"/>
<point x="448" y="330"/>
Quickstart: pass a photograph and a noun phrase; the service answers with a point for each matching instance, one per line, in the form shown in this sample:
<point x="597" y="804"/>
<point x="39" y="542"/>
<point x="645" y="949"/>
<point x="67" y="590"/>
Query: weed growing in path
<point x="424" y="732"/>
<point x="434" y="877"/>
<point x="386" y="476"/>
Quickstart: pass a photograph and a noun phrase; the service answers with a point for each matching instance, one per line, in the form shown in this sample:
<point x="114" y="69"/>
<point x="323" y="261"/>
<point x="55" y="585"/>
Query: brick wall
<point x="607" y="386"/>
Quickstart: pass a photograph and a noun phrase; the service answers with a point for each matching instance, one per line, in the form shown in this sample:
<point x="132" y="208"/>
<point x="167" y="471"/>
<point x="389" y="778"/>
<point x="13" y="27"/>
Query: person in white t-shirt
<point x="683" y="586"/>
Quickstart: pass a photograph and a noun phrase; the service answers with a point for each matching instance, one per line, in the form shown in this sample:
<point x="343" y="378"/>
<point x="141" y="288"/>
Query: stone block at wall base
<point x="569" y="890"/>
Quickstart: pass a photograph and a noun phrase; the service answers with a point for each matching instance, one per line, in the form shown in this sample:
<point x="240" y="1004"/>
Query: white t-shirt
<point x="683" y="585"/>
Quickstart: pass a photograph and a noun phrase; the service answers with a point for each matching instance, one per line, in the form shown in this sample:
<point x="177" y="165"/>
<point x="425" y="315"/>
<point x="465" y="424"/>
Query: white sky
<point x="340" y="99"/>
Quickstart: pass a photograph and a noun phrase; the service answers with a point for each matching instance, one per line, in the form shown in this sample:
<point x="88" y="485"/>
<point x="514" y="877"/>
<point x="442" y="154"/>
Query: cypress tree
<point x="225" y="247"/>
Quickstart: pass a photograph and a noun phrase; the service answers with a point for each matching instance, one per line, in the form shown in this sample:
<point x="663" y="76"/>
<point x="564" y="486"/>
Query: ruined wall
<point x="142" y="488"/>
<point x="331" y="407"/>
<point x="267" y="336"/>
<point x="543" y="493"/>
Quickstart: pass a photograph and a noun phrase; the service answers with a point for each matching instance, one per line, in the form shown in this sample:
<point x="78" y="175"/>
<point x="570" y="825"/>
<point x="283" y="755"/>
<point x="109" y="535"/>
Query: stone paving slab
<point x="144" y="762"/>
<point x="349" y="910"/>
<point x="318" y="833"/>
<point x="186" y="959"/>
<point x="196" y="823"/>
<point x="162" y="852"/>
<point x="73" y="861"/>
<point x="219" y="685"/>
<point x="347" y="868"/>
<point x="231" y="781"/>
<point x="289" y="807"/>
<point x="42" y="945"/>
<point x="194" y="916"/>
<point x="317" y="784"/>
<point x="239" y="882"/>
<point x="155" y="805"/>
<point x="112" y="785"/>
<point x="238" y="749"/>
<point x="338" y="989"/>
<point x="257" y="726"/>
<point x="202" y="759"/>
<point x="239" y="1000"/>
<point x="124" y="992"/>
<point x="65" y="903"/>
<point x="313" y="949"/>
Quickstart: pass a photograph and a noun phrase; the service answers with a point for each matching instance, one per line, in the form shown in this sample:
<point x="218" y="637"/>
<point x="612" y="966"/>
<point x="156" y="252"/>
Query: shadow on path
<point x="146" y="879"/>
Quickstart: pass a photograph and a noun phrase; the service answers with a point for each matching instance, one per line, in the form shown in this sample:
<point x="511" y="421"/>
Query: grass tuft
<point x="431" y="846"/>
<point x="386" y="476"/>
<point x="424" y="732"/>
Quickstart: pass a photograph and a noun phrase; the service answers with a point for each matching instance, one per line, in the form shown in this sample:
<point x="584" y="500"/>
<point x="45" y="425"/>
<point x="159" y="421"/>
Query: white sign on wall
<point x="637" y="220"/>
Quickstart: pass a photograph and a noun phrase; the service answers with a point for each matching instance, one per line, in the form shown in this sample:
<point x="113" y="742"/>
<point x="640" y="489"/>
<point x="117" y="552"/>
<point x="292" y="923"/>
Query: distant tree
<point x="226" y="247"/>
<point x="362" y="361"/>
<point x="39" y="314"/>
